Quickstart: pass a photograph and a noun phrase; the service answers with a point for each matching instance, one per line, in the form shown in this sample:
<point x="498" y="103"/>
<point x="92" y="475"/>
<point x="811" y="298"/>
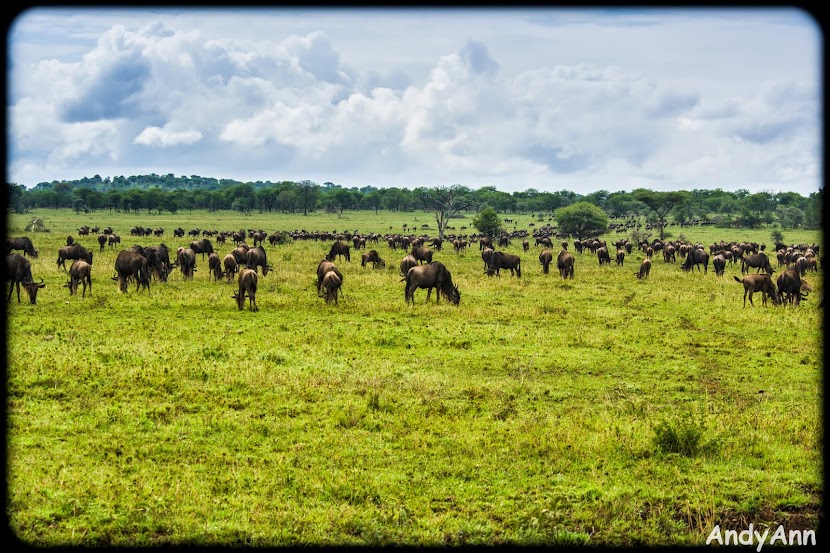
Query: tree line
<point x="154" y="193"/>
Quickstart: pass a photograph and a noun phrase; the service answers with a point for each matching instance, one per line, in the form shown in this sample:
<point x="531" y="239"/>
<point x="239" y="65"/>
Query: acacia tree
<point x="660" y="203"/>
<point x="446" y="202"/>
<point x="487" y="222"/>
<point x="581" y="220"/>
<point x="307" y="193"/>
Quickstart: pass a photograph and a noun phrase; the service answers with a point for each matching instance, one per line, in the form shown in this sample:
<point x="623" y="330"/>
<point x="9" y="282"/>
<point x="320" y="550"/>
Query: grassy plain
<point x="601" y="411"/>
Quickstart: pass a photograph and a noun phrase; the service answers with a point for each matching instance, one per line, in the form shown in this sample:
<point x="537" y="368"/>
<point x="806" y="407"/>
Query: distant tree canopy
<point x="159" y="193"/>
<point x="582" y="220"/>
<point x="487" y="222"/>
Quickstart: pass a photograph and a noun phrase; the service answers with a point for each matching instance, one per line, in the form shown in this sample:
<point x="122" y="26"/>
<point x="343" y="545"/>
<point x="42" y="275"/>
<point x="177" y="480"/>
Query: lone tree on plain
<point x="487" y="222"/>
<point x="660" y="203"/>
<point x="446" y="201"/>
<point x="581" y="220"/>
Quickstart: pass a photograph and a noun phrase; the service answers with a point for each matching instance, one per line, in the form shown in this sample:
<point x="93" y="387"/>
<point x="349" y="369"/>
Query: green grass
<point x="599" y="411"/>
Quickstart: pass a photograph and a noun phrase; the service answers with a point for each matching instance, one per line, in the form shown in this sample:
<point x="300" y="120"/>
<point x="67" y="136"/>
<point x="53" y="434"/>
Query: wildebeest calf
<point x="331" y="286"/>
<point x="80" y="271"/>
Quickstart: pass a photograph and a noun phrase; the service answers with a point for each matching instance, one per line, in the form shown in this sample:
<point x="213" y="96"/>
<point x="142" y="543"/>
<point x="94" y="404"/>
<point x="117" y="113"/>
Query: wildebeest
<point x="791" y="289"/>
<point x="645" y="268"/>
<point x="113" y="239"/>
<point x="758" y="260"/>
<point x="565" y="263"/>
<point x="695" y="258"/>
<point x="69" y="240"/>
<point x="372" y="257"/>
<point x="545" y="258"/>
<point x="603" y="256"/>
<point x="331" y="286"/>
<point x="407" y="263"/>
<point x="240" y="253"/>
<point x="131" y="264"/>
<point x="325" y="266"/>
<point x="215" y="266"/>
<point x="258" y="258"/>
<point x="186" y="259"/>
<point x="247" y="285"/>
<point x="719" y="264"/>
<point x="502" y="260"/>
<point x="23" y="243"/>
<point x="620" y="256"/>
<point x="80" y="272"/>
<point x="338" y="250"/>
<point x="669" y="254"/>
<point x="525" y="245"/>
<point x="230" y="265"/>
<point x="429" y="276"/>
<point x="102" y="241"/>
<point x="202" y="246"/>
<point x="487" y="257"/>
<point x="422" y="254"/>
<point x="758" y="283"/>
<point x="75" y="251"/>
<point x="19" y="271"/>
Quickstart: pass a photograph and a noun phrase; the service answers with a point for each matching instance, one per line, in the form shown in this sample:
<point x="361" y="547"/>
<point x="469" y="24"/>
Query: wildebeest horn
<point x="41" y="280"/>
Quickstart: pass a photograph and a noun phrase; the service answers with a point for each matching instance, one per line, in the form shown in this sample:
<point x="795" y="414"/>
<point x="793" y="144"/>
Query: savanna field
<point x="599" y="411"/>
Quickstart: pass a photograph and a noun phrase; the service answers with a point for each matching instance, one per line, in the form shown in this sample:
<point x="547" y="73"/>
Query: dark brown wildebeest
<point x="23" y="243"/>
<point x="565" y="263"/>
<point x="230" y="265"/>
<point x="240" y="253"/>
<point x="247" y="285"/>
<point x="178" y="232"/>
<point x="330" y="286"/>
<point x="75" y="251"/>
<point x="791" y="289"/>
<point x="487" y="257"/>
<point x="113" y="239"/>
<point x="131" y="264"/>
<point x="758" y="283"/>
<point x="620" y="256"/>
<point x="407" y="263"/>
<point x="202" y="246"/>
<point x="69" y="240"/>
<point x="422" y="254"/>
<point x="339" y="249"/>
<point x="372" y="257"/>
<point x="695" y="258"/>
<point x="186" y="259"/>
<point x="429" y="276"/>
<point x="757" y="260"/>
<point x="669" y="254"/>
<point x="19" y="271"/>
<point x="545" y="259"/>
<point x="544" y="241"/>
<point x="525" y="245"/>
<point x="80" y="272"/>
<point x="257" y="258"/>
<point x="603" y="256"/>
<point x="502" y="260"/>
<point x="259" y="237"/>
<point x="215" y="266"/>
<point x="102" y="241"/>
<point x="485" y="242"/>
<point x="719" y="264"/>
<point x="645" y="269"/>
<point x="325" y="266"/>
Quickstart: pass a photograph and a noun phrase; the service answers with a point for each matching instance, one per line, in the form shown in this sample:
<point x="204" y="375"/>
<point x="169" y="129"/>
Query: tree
<point x="581" y="220"/>
<point x="307" y="193"/>
<point x="660" y="203"/>
<point x="790" y="216"/>
<point x="446" y="202"/>
<point x="487" y="222"/>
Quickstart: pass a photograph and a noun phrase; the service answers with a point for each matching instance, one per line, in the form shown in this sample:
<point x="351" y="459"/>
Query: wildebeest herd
<point x="143" y="264"/>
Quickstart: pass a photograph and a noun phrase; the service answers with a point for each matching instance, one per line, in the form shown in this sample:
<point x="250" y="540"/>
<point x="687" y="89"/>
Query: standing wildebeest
<point x="645" y="269"/>
<point x="80" y="271"/>
<point x="603" y="256"/>
<point x="339" y="249"/>
<point x="19" y="271"/>
<point x="422" y="254"/>
<point x="429" y="276"/>
<point x="372" y="257"/>
<point x="407" y="263"/>
<point x="215" y="266"/>
<point x="695" y="258"/>
<point x="791" y="289"/>
<point x="102" y="241"/>
<point x="565" y="264"/>
<point x="545" y="258"/>
<point x="257" y="258"/>
<point x="75" y="251"/>
<point x="69" y="240"/>
<point x="247" y="285"/>
<point x="325" y="266"/>
<point x="330" y="286"/>
<point x="620" y="256"/>
<point x="719" y="264"/>
<point x="525" y="245"/>
<point x="202" y="246"/>
<point x="230" y="265"/>
<point x="669" y="254"/>
<point x="502" y="260"/>
<point x="131" y="264"/>
<point x="758" y="283"/>
<point x="186" y="259"/>
<point x="758" y="260"/>
<point x="23" y="243"/>
<point x="240" y="253"/>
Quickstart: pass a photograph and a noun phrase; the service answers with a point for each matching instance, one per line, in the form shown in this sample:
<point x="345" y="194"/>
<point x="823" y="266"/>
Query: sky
<point x="545" y="98"/>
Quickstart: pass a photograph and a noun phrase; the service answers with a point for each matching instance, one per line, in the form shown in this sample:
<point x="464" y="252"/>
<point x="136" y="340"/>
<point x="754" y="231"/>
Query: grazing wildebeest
<point x="19" y="271"/>
<point x="407" y="263"/>
<point x="791" y="289"/>
<point x="719" y="264"/>
<point x="544" y="241"/>
<point x="331" y="286"/>
<point x="620" y="256"/>
<point x="69" y="240"/>
<point x="645" y="268"/>
<point x="247" y="285"/>
<point x="102" y="241"/>
<point x="372" y="257"/>
<point x="23" y="243"/>
<point x="485" y="242"/>
<point x="230" y="265"/>
<point x="186" y="259"/>
<point x="80" y="272"/>
<point x="525" y="245"/>
<point x="758" y="260"/>
<point x="487" y="257"/>
<point x="338" y="250"/>
<point x="422" y="254"/>
<point x="502" y="260"/>
<point x="202" y="246"/>
<point x="545" y="259"/>
<point x="669" y="254"/>
<point x="131" y="264"/>
<point x="325" y="266"/>
<point x="695" y="258"/>
<point x="113" y="239"/>
<point x="758" y="283"/>
<point x="240" y="253"/>
<point x="429" y="276"/>
<point x="565" y="264"/>
<point x="75" y="251"/>
<point x="603" y="256"/>
<point x="257" y="258"/>
<point x="215" y="266"/>
<point x="178" y="232"/>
